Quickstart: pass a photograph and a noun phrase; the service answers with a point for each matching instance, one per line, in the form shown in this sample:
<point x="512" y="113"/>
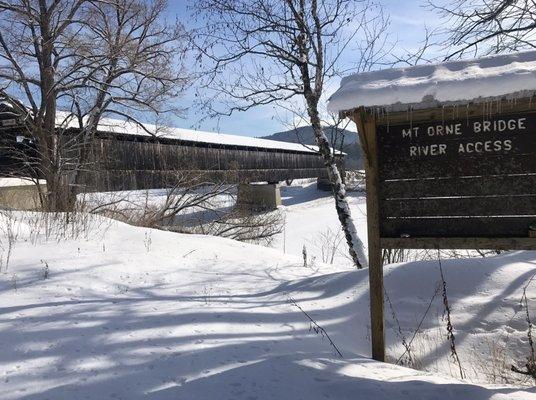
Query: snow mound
<point x="132" y="313"/>
<point x="23" y="181"/>
<point x="455" y="82"/>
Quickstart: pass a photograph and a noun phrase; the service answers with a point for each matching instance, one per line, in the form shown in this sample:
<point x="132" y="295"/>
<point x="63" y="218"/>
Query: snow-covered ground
<point x="309" y="217"/>
<point x="127" y="313"/>
<point x="311" y="221"/>
<point x="7" y="182"/>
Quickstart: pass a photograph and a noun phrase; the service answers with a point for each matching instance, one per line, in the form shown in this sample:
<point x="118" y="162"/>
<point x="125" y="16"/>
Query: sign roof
<point x="485" y="79"/>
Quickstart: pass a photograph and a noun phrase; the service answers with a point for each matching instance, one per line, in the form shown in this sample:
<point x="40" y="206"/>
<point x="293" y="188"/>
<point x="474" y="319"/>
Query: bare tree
<point x="134" y="64"/>
<point x="487" y="26"/>
<point x="33" y="49"/>
<point x="243" y="225"/>
<point x="186" y="193"/>
<point x="272" y="52"/>
<point x="193" y="202"/>
<point x="90" y="58"/>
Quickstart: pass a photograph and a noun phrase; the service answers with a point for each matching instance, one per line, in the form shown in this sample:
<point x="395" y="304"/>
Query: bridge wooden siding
<point x="128" y="162"/>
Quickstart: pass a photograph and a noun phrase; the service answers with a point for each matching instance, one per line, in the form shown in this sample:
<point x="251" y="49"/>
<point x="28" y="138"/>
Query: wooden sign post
<point x="456" y="178"/>
<point x="367" y="134"/>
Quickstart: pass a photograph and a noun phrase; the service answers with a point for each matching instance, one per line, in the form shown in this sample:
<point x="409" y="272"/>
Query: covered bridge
<point x="126" y="156"/>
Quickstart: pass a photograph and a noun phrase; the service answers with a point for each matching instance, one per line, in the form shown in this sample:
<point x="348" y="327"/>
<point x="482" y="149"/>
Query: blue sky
<point x="408" y="18"/>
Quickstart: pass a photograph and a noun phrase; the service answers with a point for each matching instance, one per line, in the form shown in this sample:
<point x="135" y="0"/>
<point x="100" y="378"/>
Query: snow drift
<point x="116" y="311"/>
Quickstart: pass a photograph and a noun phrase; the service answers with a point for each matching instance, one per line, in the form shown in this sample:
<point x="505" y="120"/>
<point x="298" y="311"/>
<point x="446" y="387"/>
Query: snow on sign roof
<point x="455" y="82"/>
<point x="117" y="126"/>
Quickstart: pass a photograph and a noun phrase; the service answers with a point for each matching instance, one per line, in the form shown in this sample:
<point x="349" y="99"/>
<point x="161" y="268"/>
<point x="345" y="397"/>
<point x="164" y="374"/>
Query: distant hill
<point x="305" y="135"/>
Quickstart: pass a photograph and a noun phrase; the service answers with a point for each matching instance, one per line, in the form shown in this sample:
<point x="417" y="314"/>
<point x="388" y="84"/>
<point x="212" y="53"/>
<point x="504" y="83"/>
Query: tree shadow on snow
<point x="249" y="345"/>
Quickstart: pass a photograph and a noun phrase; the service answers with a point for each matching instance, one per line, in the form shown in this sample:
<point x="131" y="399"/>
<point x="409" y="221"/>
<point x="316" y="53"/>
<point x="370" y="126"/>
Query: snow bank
<point x="132" y="313"/>
<point x="455" y="82"/>
<point x="12" y="181"/>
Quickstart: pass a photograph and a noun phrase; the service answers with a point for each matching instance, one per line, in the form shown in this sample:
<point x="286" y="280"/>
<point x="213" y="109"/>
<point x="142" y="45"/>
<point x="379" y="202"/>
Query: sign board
<point x="465" y="182"/>
<point x="450" y="159"/>
<point x="465" y="177"/>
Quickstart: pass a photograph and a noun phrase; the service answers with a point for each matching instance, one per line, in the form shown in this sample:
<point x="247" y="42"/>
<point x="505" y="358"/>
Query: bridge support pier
<point x="23" y="197"/>
<point x="323" y="184"/>
<point x="266" y="196"/>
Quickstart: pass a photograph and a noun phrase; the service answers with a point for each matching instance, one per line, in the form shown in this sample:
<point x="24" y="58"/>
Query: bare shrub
<point x="189" y="192"/>
<point x="488" y="253"/>
<point x="8" y="237"/>
<point x="147" y="241"/>
<point x="194" y="203"/>
<point x="495" y="363"/>
<point x="530" y="363"/>
<point x="410" y="357"/>
<point x="355" y="180"/>
<point x="315" y="327"/>
<point x="447" y="318"/>
<point x="46" y="269"/>
<point x="242" y="225"/>
<point x="328" y="243"/>
<point x="43" y="227"/>
<point x="15" y="282"/>
<point x="424" y="342"/>
<point x="391" y="256"/>
<point x="58" y="226"/>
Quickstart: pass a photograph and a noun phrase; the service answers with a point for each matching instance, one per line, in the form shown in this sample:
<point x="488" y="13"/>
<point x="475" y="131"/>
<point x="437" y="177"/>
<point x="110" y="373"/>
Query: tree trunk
<point x="355" y="246"/>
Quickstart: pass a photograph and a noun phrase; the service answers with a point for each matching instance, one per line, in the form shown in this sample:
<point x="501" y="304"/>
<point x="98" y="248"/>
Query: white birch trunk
<point x="355" y="245"/>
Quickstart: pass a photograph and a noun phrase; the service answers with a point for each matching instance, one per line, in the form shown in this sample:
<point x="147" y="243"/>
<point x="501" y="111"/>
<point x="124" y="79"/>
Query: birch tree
<point x="263" y="52"/>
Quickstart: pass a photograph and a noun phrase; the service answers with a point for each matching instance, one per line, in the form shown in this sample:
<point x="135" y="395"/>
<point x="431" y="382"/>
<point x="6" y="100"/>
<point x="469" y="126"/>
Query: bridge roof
<point x="479" y="80"/>
<point x="67" y="120"/>
<point x="117" y="126"/>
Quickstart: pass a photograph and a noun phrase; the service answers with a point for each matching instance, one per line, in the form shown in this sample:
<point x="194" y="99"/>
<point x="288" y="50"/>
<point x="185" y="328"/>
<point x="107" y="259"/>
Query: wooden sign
<point x="467" y="181"/>
<point x="468" y="177"/>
